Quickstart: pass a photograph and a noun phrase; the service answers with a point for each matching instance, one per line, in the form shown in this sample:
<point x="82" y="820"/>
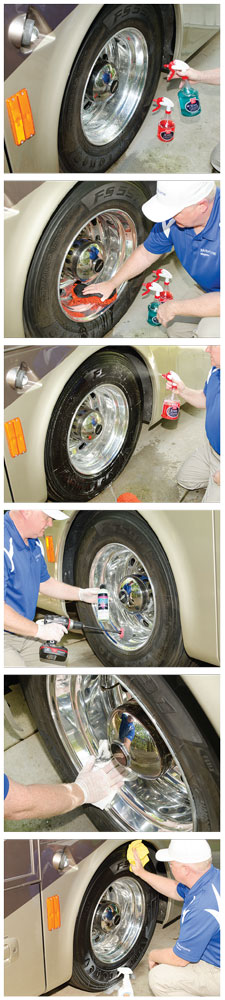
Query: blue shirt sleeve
<point x="6" y="786"/>
<point x="44" y="574"/>
<point x="195" y="934"/>
<point x="157" y="242"/>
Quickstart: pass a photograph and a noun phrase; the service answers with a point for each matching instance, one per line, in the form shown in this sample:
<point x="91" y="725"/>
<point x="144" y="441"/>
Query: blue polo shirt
<point x="24" y="569"/>
<point x="212" y="394"/>
<point x="127" y="729"/>
<point x="199" y="253"/>
<point x="199" y="936"/>
<point x="6" y="786"/>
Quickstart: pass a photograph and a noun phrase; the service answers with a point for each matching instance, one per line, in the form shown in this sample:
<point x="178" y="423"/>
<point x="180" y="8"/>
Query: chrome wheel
<point x="87" y="711"/>
<point x="95" y="254"/>
<point x="97" y="430"/>
<point x="117" y="920"/>
<point x="131" y="594"/>
<point x="115" y="86"/>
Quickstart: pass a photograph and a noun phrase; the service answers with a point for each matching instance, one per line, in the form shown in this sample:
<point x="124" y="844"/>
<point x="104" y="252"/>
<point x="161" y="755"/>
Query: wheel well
<point x="195" y="711"/>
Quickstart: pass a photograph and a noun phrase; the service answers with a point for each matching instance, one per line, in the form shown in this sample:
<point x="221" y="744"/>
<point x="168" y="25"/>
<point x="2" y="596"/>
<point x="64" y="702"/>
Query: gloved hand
<point x="98" y="783"/>
<point x="89" y="596"/>
<point x="104" y="288"/>
<point x="50" y="630"/>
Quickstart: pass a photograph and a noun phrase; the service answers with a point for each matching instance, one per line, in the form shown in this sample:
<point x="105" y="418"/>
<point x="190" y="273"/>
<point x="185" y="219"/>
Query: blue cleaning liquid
<point x="189" y="101"/>
<point x="152" y="314"/>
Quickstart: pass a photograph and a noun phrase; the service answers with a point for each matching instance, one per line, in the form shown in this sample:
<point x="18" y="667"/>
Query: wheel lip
<point x="119" y="644"/>
<point x="138" y="890"/>
<point x="99" y="466"/>
<point x="110" y="810"/>
<point x="123" y="31"/>
<point x="134" y="236"/>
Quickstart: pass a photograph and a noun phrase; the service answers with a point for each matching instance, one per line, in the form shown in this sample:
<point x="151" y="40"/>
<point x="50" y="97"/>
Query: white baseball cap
<point x="172" y="196"/>
<point x="54" y="512"/>
<point x="186" y="852"/>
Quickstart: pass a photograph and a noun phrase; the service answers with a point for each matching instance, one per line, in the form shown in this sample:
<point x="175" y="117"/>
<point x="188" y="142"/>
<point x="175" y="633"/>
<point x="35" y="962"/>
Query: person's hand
<point x="99" y="782"/>
<point x="105" y="288"/>
<point x="89" y="596"/>
<point x="191" y="74"/>
<point x="151" y="963"/>
<point x="50" y="631"/>
<point x="180" y="386"/>
<point x="167" y="311"/>
<point x="217" y="478"/>
<point x="137" y="867"/>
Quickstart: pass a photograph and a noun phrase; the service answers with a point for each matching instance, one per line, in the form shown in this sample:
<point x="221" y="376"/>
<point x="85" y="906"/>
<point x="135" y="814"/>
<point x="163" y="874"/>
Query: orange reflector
<point x="53" y="913"/>
<point x="15" y="437"/>
<point x="50" y="548"/>
<point x="20" y="117"/>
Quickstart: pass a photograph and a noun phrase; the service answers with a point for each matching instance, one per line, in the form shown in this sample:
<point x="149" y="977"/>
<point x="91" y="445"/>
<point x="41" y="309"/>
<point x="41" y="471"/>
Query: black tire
<point x="64" y="482"/>
<point x="88" y="973"/>
<point x="165" y="646"/>
<point x="76" y="153"/>
<point x="180" y="720"/>
<point x="43" y="316"/>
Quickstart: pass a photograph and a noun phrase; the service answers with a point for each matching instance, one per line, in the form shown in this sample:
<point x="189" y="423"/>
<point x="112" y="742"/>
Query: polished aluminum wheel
<point x="97" y="430"/>
<point x="132" y="603"/>
<point x="115" y="86"/>
<point x="87" y="713"/>
<point x="95" y="254"/>
<point x="117" y="920"/>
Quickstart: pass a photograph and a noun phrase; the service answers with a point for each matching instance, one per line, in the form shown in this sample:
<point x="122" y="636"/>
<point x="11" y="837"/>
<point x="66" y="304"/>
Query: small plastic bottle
<point x="126" y="989"/>
<point x="166" y="129"/>
<point x="189" y="101"/>
<point x="153" y="308"/>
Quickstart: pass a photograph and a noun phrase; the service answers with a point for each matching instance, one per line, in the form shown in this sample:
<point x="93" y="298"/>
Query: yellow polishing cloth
<point x="142" y="852"/>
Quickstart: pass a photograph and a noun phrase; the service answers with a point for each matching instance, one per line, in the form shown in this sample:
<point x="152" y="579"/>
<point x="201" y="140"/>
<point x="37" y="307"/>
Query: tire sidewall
<point x="130" y="530"/>
<point x="43" y="314"/>
<point x="83" y="154"/>
<point x="85" y="966"/>
<point x="64" y="482"/>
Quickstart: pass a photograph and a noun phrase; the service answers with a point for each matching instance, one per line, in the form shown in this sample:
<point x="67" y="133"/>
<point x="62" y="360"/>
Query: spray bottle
<point x="163" y="273"/>
<point x="171" y="406"/>
<point x="153" y="308"/>
<point x="188" y="96"/>
<point x="125" y="990"/>
<point x="166" y="126"/>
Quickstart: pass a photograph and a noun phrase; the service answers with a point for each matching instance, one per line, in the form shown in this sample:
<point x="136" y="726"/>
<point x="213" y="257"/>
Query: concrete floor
<point x="194" y="138"/>
<point x="135" y="322"/>
<point x="163" y="937"/>
<point x="152" y="471"/>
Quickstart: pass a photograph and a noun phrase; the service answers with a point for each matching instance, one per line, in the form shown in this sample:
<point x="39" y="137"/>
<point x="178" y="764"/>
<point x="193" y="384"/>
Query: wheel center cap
<point x="134" y="593"/>
<point x="108" y="916"/>
<point x="87" y="425"/>
<point x="104" y="81"/>
<point x="135" y="742"/>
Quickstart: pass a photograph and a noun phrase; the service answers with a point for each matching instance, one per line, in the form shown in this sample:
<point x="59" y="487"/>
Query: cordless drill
<point x="51" y="652"/>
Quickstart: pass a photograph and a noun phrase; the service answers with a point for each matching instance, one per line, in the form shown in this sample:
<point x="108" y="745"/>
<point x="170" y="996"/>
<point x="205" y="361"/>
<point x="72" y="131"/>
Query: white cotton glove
<point x="89" y="596"/>
<point x="50" y="630"/>
<point x="99" y="783"/>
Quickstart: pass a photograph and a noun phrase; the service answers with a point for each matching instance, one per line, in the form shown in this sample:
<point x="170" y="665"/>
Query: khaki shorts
<point x="20" y="652"/>
<point x="209" y="328"/>
<point x="195" y="979"/>
<point x="199" y="469"/>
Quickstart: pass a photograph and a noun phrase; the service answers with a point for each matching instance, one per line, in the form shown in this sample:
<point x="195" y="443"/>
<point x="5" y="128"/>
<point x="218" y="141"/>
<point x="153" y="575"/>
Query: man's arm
<point x="167" y="886"/>
<point x="165" y="956"/>
<point x="41" y="801"/>
<point x="63" y="591"/>
<point x="205" y="305"/>
<point x="139" y="261"/>
<point x="196" y="397"/>
<point x="13" y="622"/>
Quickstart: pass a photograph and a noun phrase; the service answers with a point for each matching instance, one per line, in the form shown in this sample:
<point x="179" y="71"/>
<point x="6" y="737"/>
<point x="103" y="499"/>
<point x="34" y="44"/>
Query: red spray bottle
<point x="166" y="126"/>
<point x="171" y="406"/>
